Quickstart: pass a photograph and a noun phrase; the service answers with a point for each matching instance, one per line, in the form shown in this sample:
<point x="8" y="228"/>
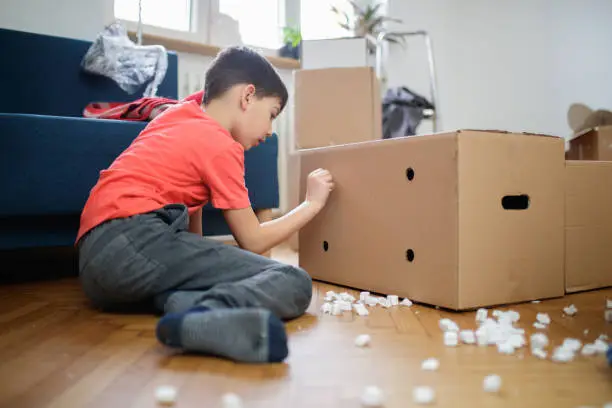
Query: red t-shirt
<point x="182" y="156"/>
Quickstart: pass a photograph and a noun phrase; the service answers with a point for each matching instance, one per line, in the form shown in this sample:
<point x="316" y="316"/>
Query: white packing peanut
<point x="601" y="346"/>
<point x="231" y="400"/>
<point x="363" y="296"/>
<point x="570" y="310"/>
<point x="372" y="301"/>
<point x="406" y="302"/>
<point x="589" y="350"/>
<point x="539" y="353"/>
<point x="543" y="318"/>
<point x="423" y="395"/>
<point x="384" y="302"/>
<point x="492" y="383"/>
<point x="361" y="309"/>
<point x="603" y="337"/>
<point x="539" y="340"/>
<point x="363" y="340"/>
<point x="372" y="396"/>
<point x="536" y="301"/>
<point x="517" y="340"/>
<point x="467" y="336"/>
<point x="505" y="348"/>
<point x="345" y="305"/>
<point x="166" y="394"/>
<point x="347" y="297"/>
<point x="481" y="315"/>
<point x="431" y="364"/>
<point x="451" y="339"/>
<point x="393" y="300"/>
<point x="573" y="345"/>
<point x="562" y="355"/>
<point x="448" y="325"/>
<point x="586" y="331"/>
<point x="326" y="308"/>
<point x="482" y="337"/>
<point x="539" y="325"/>
<point x="336" y="309"/>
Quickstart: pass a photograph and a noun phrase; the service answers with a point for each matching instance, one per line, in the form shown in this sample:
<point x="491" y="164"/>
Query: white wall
<point x="64" y="18"/>
<point x="513" y="65"/>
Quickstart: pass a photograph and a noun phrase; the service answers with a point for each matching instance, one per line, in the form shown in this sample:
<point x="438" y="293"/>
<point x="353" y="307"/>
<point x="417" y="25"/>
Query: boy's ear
<point x="247" y="95"/>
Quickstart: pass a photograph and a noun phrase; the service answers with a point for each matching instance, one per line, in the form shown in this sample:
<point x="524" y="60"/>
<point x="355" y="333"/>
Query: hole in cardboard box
<point x="410" y="255"/>
<point x="515" y="202"/>
<point x="410" y="173"/>
<point x="325" y="246"/>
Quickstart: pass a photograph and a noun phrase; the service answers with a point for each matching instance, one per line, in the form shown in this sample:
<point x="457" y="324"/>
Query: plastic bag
<point x="114" y="55"/>
<point x="403" y="111"/>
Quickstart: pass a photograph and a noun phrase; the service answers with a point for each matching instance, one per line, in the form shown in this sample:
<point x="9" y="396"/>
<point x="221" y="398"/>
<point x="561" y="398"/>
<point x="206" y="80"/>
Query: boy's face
<point x="254" y="124"/>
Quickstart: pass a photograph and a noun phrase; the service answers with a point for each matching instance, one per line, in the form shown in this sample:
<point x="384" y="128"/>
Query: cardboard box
<point x="336" y="53"/>
<point x="336" y="106"/>
<point x="459" y="220"/>
<point x="592" y="144"/>
<point x="588" y="225"/>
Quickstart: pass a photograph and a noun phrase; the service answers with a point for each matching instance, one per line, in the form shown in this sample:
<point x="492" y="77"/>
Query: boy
<point x="141" y="240"/>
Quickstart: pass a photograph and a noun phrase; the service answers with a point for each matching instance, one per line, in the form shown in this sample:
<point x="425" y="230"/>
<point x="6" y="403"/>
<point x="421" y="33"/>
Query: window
<point x="319" y="22"/>
<point x="259" y="21"/>
<point x="174" y="14"/>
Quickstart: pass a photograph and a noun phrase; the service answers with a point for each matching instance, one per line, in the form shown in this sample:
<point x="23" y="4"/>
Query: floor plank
<point x="58" y="352"/>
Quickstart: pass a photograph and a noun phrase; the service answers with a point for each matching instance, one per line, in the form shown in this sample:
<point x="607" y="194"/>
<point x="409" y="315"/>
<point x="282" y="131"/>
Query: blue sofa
<point x="50" y="156"/>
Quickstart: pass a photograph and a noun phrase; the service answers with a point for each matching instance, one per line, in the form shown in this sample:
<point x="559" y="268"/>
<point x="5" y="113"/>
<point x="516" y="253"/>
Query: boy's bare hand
<point x="320" y="183"/>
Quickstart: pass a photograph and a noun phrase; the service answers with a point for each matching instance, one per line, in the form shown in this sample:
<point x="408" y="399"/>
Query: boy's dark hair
<point x="243" y="65"/>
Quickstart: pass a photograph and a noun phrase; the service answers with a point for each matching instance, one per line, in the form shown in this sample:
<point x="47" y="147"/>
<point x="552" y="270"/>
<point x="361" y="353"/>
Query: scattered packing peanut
<point x="451" y="339"/>
<point x="538" y="340"/>
<point x="336" y="309"/>
<point x="363" y="340"/>
<point x="431" y="364"/>
<point x="600" y="346"/>
<point x="393" y="300"/>
<point x="231" y="400"/>
<point x="492" y="383"/>
<point x="505" y="348"/>
<point x="423" y="395"/>
<point x="543" y="318"/>
<point x="562" y="355"/>
<point x="165" y="395"/>
<point x="361" y="309"/>
<point x="540" y="326"/>
<point x="372" y="396"/>
<point x="539" y="353"/>
<point x="535" y="301"/>
<point x="326" y="308"/>
<point x="467" y="336"/>
<point x="363" y="296"/>
<point x="570" y="310"/>
<point x="347" y="297"/>
<point x="448" y="325"/>
<point x="406" y="302"/>
<point x="481" y="315"/>
<point x="371" y="301"/>
<point x="589" y="350"/>
<point x="573" y="345"/>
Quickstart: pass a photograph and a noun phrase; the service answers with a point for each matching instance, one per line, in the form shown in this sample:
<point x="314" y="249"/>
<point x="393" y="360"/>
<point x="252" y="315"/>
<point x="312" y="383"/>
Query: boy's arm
<point x="195" y="222"/>
<point x="260" y="238"/>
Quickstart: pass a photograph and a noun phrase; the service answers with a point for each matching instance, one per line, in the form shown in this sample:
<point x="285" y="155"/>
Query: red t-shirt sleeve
<point x="225" y="179"/>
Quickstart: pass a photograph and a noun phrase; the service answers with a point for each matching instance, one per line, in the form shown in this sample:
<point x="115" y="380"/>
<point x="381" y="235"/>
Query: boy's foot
<point x="246" y="335"/>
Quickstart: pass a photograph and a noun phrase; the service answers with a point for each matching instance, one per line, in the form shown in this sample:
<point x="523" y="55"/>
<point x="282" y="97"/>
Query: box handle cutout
<point x="410" y="173"/>
<point x="325" y="246"/>
<point x="410" y="255"/>
<point x="515" y="202"/>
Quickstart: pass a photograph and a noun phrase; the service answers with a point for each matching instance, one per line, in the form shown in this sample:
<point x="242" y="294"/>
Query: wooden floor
<point x="57" y="352"/>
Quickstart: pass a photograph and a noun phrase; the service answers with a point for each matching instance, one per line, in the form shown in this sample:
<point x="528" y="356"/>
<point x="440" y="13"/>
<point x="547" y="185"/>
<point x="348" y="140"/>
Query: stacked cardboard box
<point x="462" y="219"/>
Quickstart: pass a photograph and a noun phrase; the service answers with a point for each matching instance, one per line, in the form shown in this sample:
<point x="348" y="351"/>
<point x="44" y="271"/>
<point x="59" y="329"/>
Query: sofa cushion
<point x="49" y="164"/>
<point x="42" y="74"/>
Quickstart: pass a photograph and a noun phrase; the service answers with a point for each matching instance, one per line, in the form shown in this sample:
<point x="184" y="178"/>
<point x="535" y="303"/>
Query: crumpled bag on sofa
<point x="114" y="55"/>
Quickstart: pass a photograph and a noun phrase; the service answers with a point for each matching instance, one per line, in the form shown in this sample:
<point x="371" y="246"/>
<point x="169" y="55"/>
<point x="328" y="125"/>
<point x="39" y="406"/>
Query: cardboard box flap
<point x="506" y="132"/>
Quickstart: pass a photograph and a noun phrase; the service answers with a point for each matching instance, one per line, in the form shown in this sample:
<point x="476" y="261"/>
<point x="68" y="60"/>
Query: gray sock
<point x="241" y="334"/>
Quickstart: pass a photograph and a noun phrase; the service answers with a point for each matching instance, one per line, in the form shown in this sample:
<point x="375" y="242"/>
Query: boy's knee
<point x="302" y="287"/>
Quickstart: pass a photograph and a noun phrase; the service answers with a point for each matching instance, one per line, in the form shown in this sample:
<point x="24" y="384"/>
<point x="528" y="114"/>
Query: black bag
<point x="402" y="112"/>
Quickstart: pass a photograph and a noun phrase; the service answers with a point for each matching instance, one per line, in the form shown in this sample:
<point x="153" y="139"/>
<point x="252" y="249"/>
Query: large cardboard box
<point x="458" y="220"/>
<point x="588" y="225"/>
<point x="336" y="106"/>
<point x="332" y="106"/>
<point x="592" y="144"/>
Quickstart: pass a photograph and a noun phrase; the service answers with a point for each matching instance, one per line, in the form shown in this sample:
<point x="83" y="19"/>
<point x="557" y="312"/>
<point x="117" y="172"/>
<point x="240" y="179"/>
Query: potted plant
<point x="367" y="22"/>
<point x="292" y="39"/>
